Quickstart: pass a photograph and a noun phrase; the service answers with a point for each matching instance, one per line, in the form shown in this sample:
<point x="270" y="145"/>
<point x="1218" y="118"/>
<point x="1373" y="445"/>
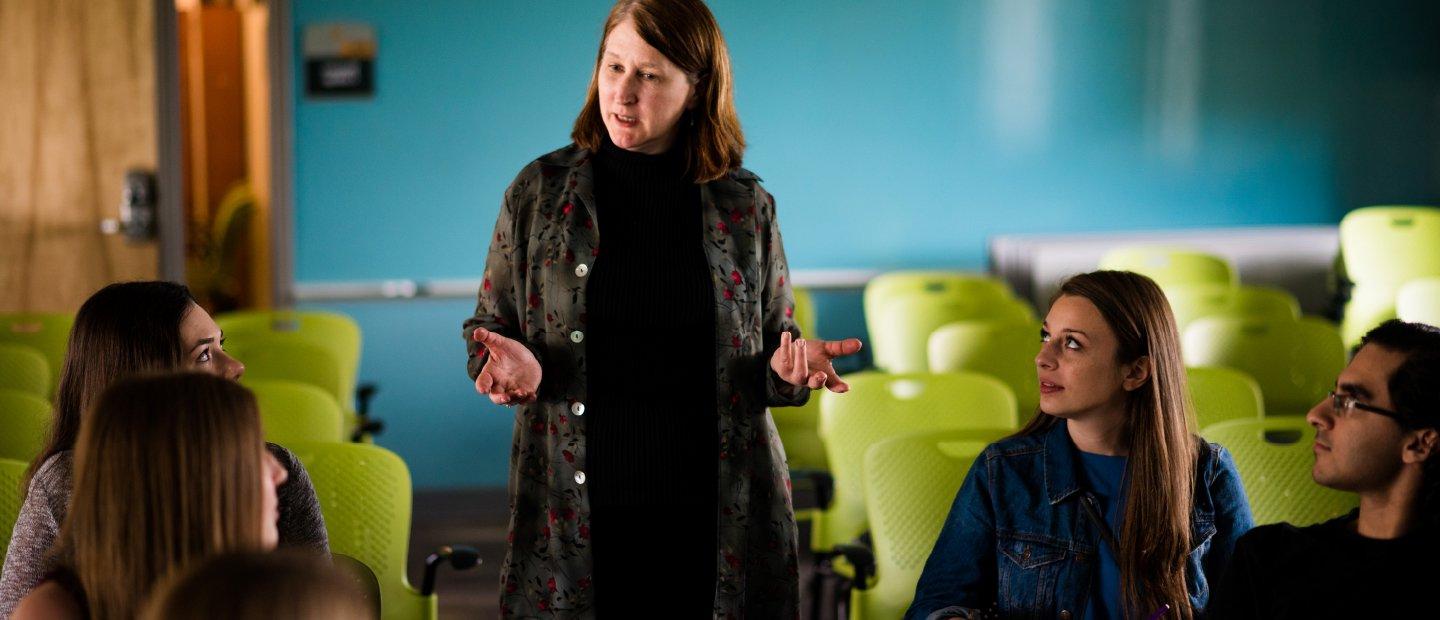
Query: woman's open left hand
<point x="511" y="375"/>
<point x="807" y="362"/>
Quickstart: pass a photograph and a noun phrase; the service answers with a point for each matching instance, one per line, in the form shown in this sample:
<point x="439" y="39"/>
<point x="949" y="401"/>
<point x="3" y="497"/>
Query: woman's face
<point x="1077" y="366"/>
<point x="272" y="475"/>
<point x="642" y="93"/>
<point x="205" y="345"/>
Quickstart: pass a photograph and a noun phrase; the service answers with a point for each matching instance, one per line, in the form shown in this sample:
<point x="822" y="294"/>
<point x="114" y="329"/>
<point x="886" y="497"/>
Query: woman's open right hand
<point x="511" y="375"/>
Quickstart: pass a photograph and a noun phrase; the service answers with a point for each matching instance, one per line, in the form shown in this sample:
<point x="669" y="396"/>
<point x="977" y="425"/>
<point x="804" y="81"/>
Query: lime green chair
<point x="1193" y="301"/>
<point x="294" y="412"/>
<point x="902" y="309"/>
<point x="24" y="369"/>
<point x="879" y="406"/>
<point x="12" y="475"/>
<point x="286" y="359"/>
<point x="1169" y="266"/>
<point x="1294" y="362"/>
<point x="1419" y="301"/>
<point x="1275" y="456"/>
<point x="798" y="426"/>
<point x="910" y="484"/>
<point x="48" y="333"/>
<point x="336" y="333"/>
<point x="364" y="493"/>
<point x="1383" y="248"/>
<point x="1221" y="394"/>
<point x="24" y="424"/>
<point x="1005" y="351"/>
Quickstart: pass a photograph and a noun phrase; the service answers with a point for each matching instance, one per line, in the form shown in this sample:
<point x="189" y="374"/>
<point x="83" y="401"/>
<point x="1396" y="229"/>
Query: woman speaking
<point x="646" y="473"/>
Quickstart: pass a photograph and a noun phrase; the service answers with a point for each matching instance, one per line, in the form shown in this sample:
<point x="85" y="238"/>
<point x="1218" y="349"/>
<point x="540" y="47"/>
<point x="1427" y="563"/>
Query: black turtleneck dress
<point x="651" y="420"/>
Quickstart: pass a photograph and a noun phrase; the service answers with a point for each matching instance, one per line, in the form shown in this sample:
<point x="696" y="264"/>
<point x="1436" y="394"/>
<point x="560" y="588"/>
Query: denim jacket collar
<point x="1060" y="457"/>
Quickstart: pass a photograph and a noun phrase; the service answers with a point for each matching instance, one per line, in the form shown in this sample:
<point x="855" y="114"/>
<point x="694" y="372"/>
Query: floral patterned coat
<point x="534" y="292"/>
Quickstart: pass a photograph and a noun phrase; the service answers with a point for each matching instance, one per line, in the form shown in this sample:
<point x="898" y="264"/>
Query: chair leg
<point x="817" y="587"/>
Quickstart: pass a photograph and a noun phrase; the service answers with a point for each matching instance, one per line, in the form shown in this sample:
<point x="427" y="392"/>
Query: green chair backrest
<point x="1220" y="394"/>
<point x="1387" y="246"/>
<point x="364" y="493"/>
<point x="1169" y="266"/>
<point x="1419" y="301"/>
<point x="294" y="412"/>
<point x="1294" y="362"/>
<point x="1266" y="302"/>
<point x="1005" y="351"/>
<point x="12" y="474"/>
<point x="879" y="406"/>
<point x="48" y="333"/>
<point x="804" y="312"/>
<point x="910" y="485"/>
<point x="902" y="309"/>
<point x="1383" y="248"/>
<point x="336" y="333"/>
<point x="287" y="359"/>
<point x="24" y="424"/>
<point x="1275" y="456"/>
<point x="25" y="369"/>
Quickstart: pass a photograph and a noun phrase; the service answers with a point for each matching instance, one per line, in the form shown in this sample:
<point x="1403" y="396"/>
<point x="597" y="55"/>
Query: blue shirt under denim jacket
<point x="1017" y="539"/>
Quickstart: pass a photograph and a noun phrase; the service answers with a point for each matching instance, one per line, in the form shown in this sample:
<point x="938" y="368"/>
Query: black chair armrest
<point x="460" y="557"/>
<point x="863" y="559"/>
<point x="816" y="485"/>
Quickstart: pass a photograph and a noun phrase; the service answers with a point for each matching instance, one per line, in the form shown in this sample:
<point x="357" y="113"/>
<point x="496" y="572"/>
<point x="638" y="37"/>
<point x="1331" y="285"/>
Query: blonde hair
<point x="685" y="32"/>
<point x="1155" y="535"/>
<point x="166" y="472"/>
<point x="261" y="586"/>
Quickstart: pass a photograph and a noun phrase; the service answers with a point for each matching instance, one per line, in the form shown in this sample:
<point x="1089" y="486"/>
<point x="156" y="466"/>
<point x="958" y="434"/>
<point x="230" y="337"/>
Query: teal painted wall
<point x="890" y="138"/>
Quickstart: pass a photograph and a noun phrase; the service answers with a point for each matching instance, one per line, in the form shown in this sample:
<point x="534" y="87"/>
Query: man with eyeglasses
<point x="1377" y="435"/>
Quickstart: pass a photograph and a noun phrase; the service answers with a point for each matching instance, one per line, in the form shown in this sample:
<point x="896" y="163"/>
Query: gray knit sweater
<point x="27" y="561"/>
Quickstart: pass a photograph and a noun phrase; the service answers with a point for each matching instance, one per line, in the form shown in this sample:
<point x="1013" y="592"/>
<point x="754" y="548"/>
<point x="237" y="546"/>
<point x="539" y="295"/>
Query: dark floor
<point x="478" y="517"/>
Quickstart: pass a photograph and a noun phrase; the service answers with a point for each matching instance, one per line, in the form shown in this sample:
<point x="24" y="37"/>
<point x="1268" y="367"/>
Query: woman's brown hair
<point x="685" y="32"/>
<point x="261" y="586"/>
<point x="167" y="471"/>
<point x="124" y="329"/>
<point x="1155" y="535"/>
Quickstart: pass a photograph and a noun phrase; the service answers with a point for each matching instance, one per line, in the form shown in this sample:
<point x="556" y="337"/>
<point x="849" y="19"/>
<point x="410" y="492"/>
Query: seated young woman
<point x="123" y="330"/>
<point x="1106" y="504"/>
<point x="169" y="470"/>
<point x="261" y="586"/>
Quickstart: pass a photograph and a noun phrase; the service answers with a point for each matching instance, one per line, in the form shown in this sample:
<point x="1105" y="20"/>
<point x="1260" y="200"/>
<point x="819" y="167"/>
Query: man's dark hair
<point x="1415" y="394"/>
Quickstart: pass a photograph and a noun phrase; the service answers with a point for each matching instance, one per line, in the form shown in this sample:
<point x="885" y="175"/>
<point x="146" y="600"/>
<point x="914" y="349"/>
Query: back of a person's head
<point x="124" y="329"/>
<point x="165" y="472"/>
<point x="1415" y="392"/>
<point x="260" y="586"/>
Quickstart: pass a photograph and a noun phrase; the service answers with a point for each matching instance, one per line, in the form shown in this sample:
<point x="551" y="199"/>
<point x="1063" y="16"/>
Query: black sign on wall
<point x="339" y="60"/>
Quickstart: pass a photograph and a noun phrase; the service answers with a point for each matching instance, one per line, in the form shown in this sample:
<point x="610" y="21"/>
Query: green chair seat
<point x="1275" y="457"/>
<point x="364" y="492"/>
<point x="24" y="369"/>
<point x="24" y="425"/>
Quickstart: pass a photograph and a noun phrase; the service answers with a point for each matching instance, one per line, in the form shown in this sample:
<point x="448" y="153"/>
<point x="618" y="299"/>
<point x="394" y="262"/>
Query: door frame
<point x="170" y="179"/>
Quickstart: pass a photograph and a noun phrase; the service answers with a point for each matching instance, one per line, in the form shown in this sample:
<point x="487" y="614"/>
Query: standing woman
<point x="645" y="471"/>
<point x="1105" y="505"/>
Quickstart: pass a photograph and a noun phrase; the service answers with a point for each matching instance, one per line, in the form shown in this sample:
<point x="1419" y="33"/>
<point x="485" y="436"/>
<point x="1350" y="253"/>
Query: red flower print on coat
<point x="485" y="285"/>
<point x="584" y="582"/>
<point x="789" y="312"/>
<point x="782" y="281"/>
<point x="568" y="208"/>
<point x="735" y="277"/>
<point x="735" y="341"/>
<point x="720" y="226"/>
<point x="736" y="216"/>
<point x="729" y="294"/>
<point x="584" y="533"/>
<point x="551" y="584"/>
<point x="534" y="300"/>
<point x="733" y="561"/>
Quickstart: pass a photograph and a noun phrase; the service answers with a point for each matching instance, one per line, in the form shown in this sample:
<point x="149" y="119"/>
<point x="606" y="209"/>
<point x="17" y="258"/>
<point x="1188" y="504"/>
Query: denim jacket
<point x="1017" y="541"/>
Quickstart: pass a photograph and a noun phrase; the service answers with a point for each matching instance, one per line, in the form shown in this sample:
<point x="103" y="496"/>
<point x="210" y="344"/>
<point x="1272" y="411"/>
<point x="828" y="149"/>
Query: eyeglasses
<point x="1345" y="403"/>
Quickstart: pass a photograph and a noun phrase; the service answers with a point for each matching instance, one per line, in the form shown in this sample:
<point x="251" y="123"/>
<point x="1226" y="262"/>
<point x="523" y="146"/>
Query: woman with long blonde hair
<point x="169" y="469"/>
<point x="1106" y="504"/>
